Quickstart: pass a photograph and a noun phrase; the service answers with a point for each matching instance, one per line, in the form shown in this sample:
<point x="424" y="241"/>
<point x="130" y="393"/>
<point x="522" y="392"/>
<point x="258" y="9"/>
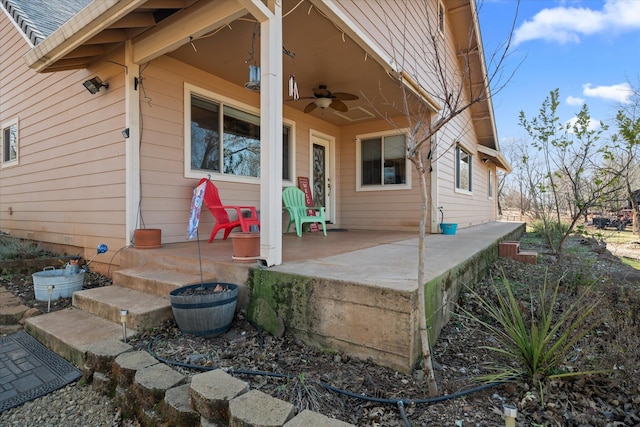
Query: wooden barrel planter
<point x="204" y="309"/>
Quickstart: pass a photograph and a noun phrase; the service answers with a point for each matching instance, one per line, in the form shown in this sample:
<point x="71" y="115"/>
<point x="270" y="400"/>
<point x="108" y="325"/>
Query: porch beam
<point x="271" y="87"/>
<point x="89" y="22"/>
<point x="184" y="26"/>
<point x="258" y="9"/>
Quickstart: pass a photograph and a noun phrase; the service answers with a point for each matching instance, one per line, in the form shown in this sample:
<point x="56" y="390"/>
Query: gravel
<point x="72" y="405"/>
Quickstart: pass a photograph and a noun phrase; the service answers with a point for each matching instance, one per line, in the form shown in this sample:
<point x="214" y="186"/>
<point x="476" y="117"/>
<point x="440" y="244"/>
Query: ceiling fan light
<point x="323" y="102"/>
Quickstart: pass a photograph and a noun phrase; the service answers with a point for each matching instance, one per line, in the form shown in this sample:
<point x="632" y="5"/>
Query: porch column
<point x="132" y="158"/>
<point x="271" y="87"/>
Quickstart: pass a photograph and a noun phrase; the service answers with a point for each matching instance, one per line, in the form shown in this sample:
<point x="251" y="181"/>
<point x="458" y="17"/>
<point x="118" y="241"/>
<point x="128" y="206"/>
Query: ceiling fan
<point x="324" y="98"/>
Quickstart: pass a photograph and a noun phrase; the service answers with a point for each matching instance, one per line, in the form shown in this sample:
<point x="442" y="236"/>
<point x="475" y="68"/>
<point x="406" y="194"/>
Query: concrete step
<point x="70" y="332"/>
<point x="144" y="310"/>
<point x="154" y="281"/>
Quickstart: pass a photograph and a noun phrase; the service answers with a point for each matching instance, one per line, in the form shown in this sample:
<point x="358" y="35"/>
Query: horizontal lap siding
<point x="69" y="184"/>
<point x="386" y="22"/>
<point x="166" y="193"/>
<point x="377" y="210"/>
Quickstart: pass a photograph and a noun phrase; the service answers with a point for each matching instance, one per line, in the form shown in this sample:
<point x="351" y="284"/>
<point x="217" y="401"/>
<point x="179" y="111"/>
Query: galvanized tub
<point x="64" y="282"/>
<point x="200" y="310"/>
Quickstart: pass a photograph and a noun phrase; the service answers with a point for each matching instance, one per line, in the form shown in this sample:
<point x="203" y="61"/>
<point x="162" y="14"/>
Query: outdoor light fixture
<point x="254" y="78"/>
<point x="93" y="85"/>
<point x="485" y="159"/>
<point x="323" y="102"/>
<point x="125" y="133"/>
<point x="123" y="320"/>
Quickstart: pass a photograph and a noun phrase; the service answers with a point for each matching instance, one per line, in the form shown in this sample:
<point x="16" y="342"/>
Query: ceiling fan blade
<point x="343" y="96"/>
<point x="339" y="106"/>
<point x="309" y="108"/>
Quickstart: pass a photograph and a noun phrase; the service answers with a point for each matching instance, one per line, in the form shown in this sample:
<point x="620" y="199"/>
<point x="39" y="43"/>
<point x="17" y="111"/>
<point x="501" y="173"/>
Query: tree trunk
<point x="424" y="333"/>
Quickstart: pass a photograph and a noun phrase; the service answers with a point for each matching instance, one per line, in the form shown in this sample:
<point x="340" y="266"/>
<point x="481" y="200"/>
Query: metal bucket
<point x="64" y="283"/>
<point x="206" y="313"/>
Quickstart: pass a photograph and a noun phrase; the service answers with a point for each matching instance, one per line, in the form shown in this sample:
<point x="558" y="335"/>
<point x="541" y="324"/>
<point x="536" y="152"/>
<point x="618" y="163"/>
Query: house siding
<point x="382" y="21"/>
<point x="166" y="192"/>
<point x="68" y="188"/>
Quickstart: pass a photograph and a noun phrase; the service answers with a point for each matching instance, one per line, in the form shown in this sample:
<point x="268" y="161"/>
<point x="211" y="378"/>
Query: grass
<point x="631" y="262"/>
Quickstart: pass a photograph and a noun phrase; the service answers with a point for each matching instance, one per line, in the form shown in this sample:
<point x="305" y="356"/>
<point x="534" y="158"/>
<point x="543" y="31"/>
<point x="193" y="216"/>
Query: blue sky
<point x="588" y="49"/>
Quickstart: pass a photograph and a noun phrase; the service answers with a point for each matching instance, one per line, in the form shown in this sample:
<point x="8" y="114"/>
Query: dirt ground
<point x="367" y="395"/>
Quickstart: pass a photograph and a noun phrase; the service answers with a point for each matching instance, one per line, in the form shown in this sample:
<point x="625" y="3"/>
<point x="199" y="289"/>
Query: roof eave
<point x="95" y="17"/>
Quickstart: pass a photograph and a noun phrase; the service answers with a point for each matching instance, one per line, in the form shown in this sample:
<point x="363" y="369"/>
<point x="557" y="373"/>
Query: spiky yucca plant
<point x="538" y="339"/>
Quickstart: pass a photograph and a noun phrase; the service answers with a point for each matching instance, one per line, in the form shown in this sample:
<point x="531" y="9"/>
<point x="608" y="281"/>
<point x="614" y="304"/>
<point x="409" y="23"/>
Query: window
<point x="463" y="169"/>
<point x="441" y="16"/>
<point x="382" y="162"/>
<point x="9" y="140"/>
<point x="490" y="184"/>
<point x="224" y="139"/>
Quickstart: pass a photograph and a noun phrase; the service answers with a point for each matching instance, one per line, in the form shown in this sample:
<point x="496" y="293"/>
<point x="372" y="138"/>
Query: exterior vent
<point x="355" y="114"/>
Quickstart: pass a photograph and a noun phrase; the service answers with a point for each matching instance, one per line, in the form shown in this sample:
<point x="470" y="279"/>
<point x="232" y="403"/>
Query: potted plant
<point x="246" y="246"/>
<point x="204" y="309"/>
<point x="147" y="238"/>
<point x="446" y="227"/>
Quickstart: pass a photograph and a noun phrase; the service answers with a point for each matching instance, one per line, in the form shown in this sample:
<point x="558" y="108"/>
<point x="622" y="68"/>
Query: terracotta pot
<point x="147" y="238"/>
<point x="246" y="246"/>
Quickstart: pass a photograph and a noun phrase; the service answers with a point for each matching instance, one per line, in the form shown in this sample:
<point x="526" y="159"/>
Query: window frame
<point x="490" y="187"/>
<point x="222" y="101"/>
<point x="381" y="186"/>
<point x="441" y="17"/>
<point x="457" y="160"/>
<point x="7" y="162"/>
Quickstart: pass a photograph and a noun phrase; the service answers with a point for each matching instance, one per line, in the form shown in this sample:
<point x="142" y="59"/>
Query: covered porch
<point x="354" y="291"/>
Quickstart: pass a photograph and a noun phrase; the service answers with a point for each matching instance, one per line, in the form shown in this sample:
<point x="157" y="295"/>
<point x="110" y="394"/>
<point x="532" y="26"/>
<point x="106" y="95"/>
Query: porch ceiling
<point x="315" y="50"/>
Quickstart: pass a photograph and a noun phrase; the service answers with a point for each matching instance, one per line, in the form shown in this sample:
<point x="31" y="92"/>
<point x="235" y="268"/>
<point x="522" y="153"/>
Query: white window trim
<point x="491" y="188"/>
<point x="472" y="156"/>
<point x="189" y="90"/>
<point x="292" y="153"/>
<point x="8" y="124"/>
<point x="390" y="187"/>
<point x="441" y="7"/>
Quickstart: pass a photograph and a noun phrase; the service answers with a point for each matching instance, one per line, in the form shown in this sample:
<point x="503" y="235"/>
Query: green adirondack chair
<point x="293" y="199"/>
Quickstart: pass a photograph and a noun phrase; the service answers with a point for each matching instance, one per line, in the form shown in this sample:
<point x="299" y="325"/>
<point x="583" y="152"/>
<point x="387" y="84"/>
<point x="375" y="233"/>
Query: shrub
<point x="538" y="337"/>
<point x="15" y="248"/>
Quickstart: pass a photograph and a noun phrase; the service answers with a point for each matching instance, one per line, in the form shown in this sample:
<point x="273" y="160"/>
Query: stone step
<point x="154" y="281"/>
<point x="70" y="332"/>
<point x="145" y="311"/>
<point x="11" y="308"/>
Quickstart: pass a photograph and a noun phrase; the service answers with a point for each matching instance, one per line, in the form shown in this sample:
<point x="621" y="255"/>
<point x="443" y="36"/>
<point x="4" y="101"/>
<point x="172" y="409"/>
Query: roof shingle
<point x="39" y="18"/>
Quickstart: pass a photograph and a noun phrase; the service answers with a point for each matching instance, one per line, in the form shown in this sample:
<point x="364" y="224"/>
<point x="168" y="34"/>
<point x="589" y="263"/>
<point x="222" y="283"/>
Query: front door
<point x="322" y="180"/>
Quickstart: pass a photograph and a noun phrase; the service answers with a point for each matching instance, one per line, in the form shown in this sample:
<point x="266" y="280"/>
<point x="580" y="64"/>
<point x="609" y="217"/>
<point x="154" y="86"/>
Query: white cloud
<point x="621" y="93"/>
<point x="574" y="100"/>
<point x="569" y="24"/>
<point x="593" y="124"/>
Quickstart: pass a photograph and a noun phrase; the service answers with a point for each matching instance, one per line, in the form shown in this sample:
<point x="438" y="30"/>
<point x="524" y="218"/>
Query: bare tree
<point x="578" y="173"/>
<point x="628" y="122"/>
<point x="457" y="88"/>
